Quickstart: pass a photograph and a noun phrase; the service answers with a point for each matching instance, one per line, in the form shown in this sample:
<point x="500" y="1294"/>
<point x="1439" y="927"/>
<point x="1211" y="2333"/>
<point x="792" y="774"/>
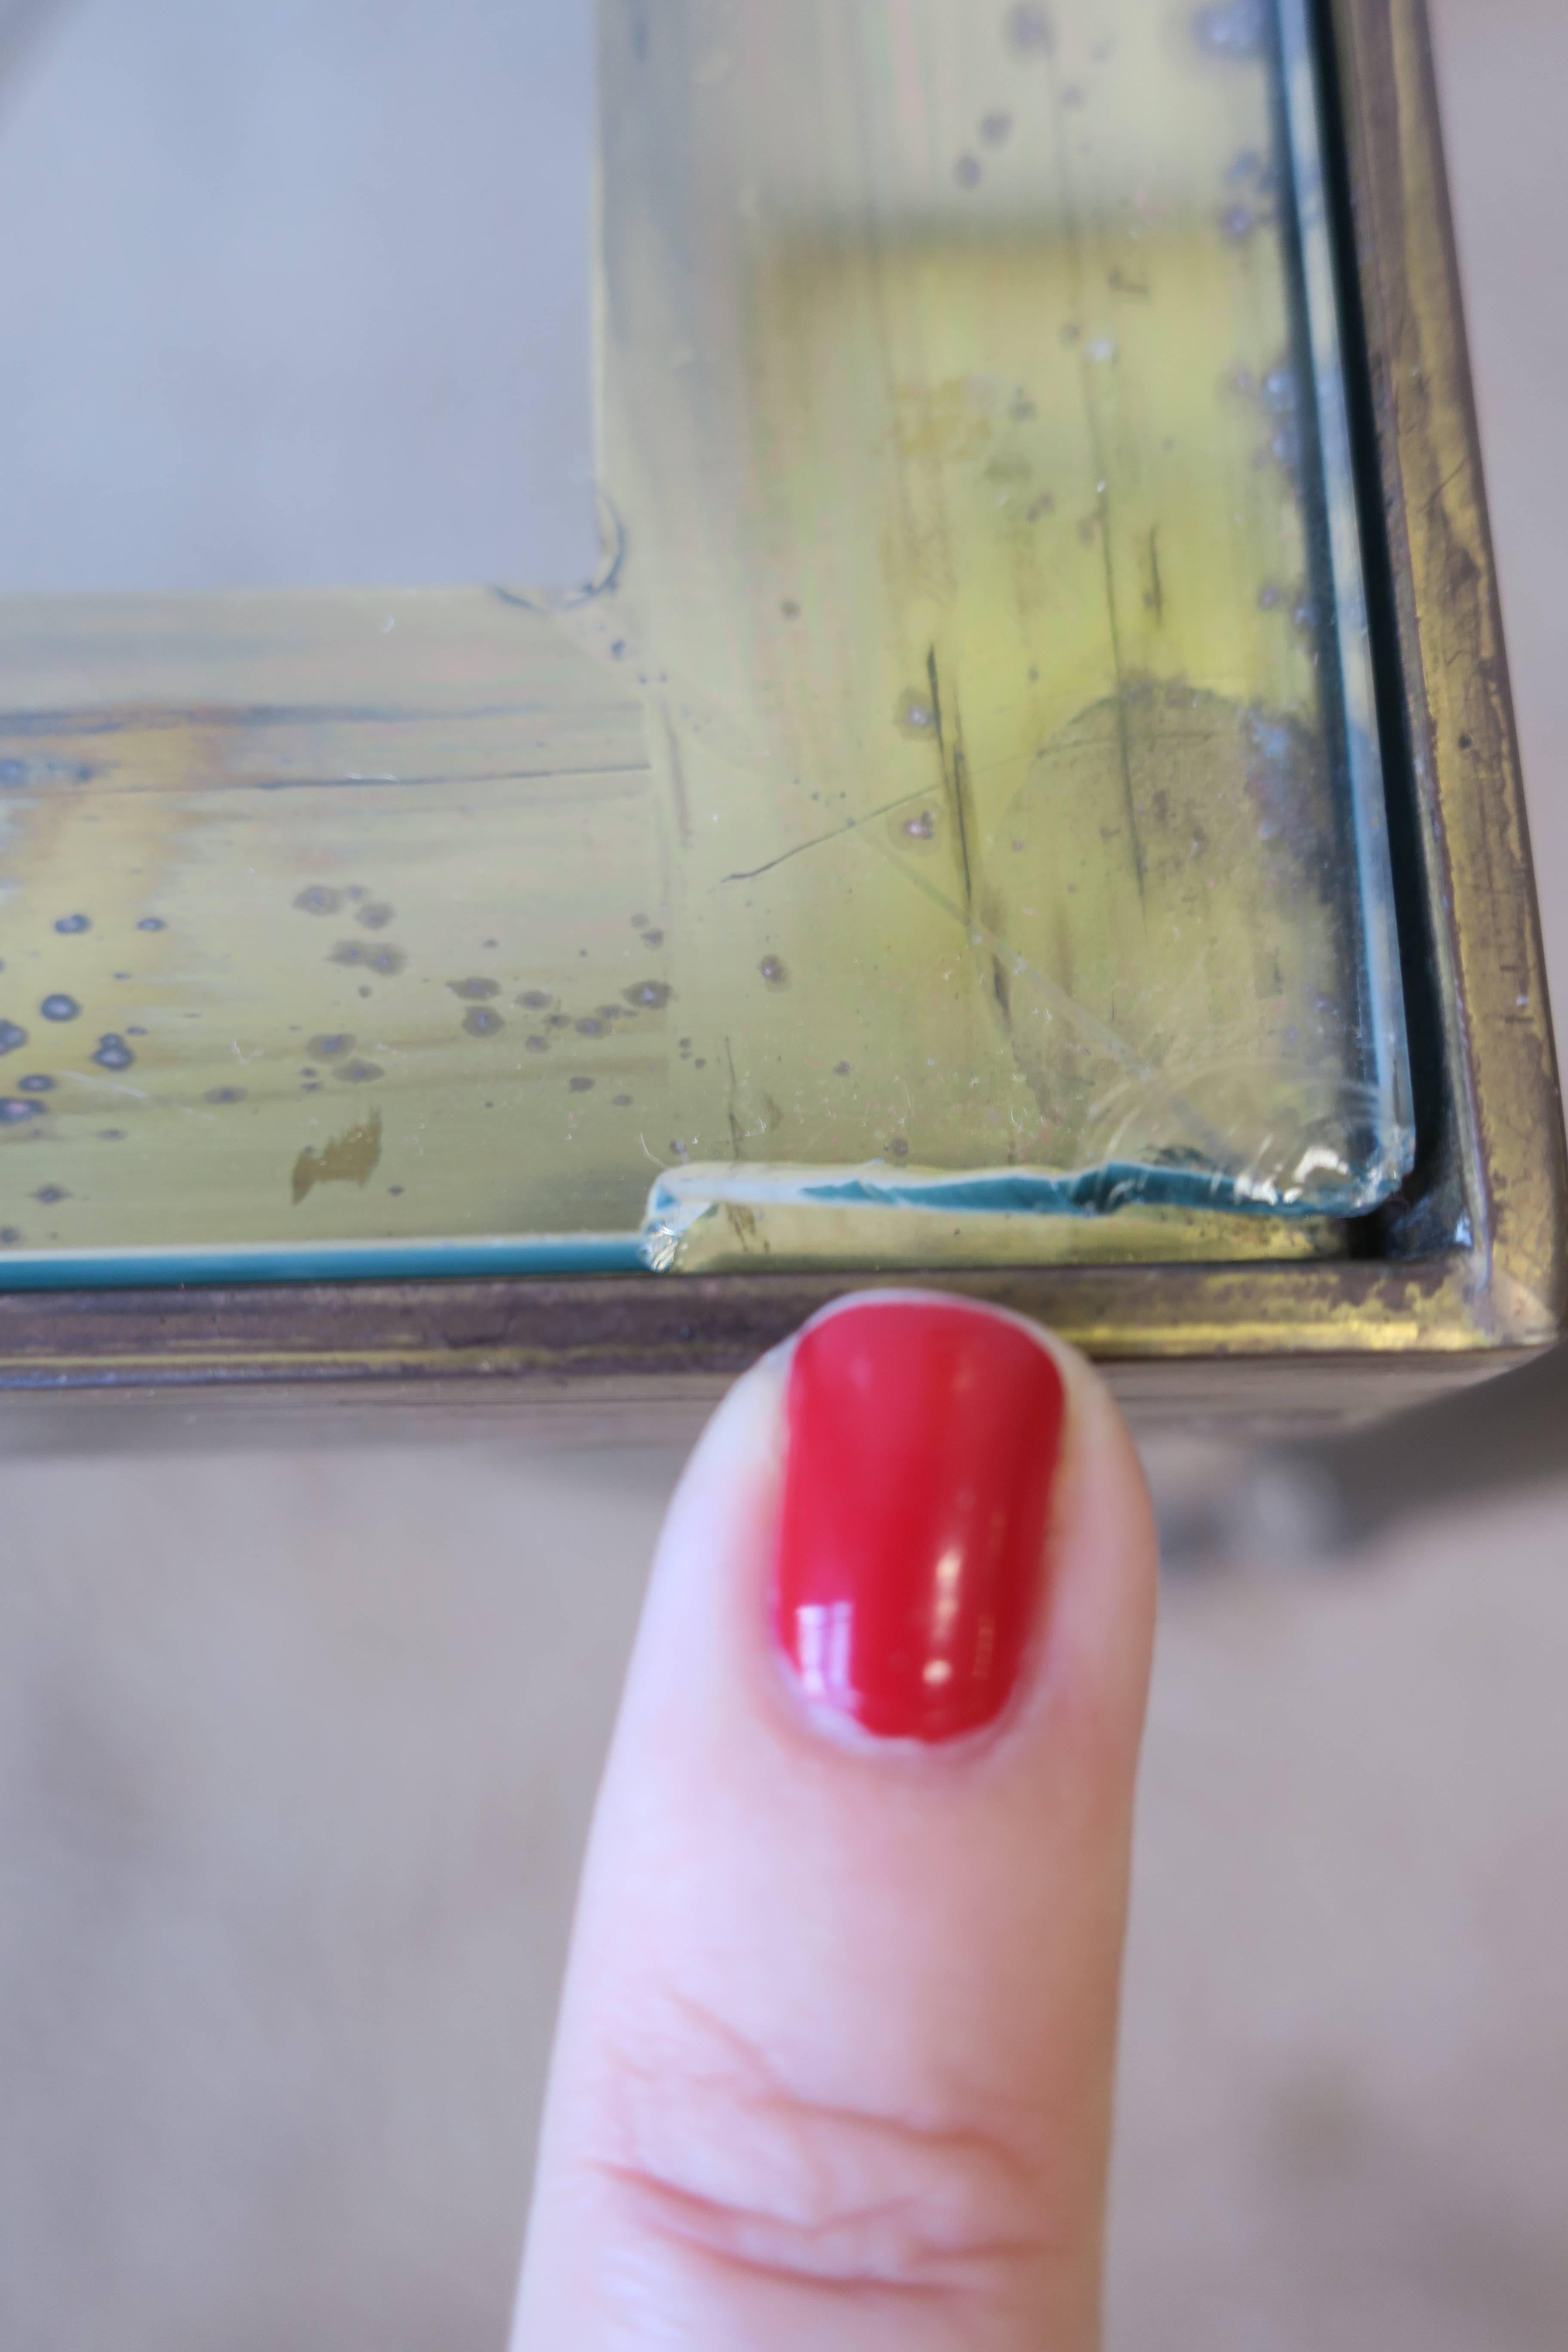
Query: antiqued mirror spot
<point x="351" y="1158"/>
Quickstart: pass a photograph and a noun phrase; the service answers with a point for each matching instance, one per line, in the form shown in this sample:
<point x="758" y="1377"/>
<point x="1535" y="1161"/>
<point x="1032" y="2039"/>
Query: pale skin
<point x="835" y="2060"/>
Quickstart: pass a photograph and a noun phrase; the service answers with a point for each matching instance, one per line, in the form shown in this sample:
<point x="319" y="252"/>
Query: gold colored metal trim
<point x="1463" y="744"/>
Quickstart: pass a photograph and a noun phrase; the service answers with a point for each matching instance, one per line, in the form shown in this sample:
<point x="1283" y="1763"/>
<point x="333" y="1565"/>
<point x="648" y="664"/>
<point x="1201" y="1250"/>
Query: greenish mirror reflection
<point x="952" y="833"/>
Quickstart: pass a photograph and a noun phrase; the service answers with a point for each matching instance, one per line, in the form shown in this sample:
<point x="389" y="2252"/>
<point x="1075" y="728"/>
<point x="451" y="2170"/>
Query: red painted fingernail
<point x="923" y="1442"/>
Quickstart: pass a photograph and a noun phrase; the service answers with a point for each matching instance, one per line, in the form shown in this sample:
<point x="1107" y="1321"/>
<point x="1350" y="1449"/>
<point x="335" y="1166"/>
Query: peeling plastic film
<point x="975" y="419"/>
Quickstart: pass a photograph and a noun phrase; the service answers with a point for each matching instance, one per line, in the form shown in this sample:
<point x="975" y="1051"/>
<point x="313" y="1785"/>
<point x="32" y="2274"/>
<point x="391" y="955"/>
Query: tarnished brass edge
<point x="543" y="1329"/>
<point x="1464" y="742"/>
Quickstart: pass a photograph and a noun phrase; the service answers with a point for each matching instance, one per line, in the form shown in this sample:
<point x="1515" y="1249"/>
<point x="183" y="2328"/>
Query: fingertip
<point x="828" y="1474"/>
<point x="882" y="1907"/>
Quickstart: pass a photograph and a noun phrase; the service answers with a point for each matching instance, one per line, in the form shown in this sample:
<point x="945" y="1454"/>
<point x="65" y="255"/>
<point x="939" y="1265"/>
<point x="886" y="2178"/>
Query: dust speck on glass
<point x="961" y="838"/>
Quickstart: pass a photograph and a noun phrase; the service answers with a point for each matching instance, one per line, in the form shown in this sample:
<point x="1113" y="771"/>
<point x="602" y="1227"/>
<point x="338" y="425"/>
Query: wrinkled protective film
<point x="951" y="831"/>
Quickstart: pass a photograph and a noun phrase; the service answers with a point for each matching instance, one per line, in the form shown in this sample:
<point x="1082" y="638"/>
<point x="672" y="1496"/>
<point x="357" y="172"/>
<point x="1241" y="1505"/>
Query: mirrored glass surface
<point x="949" y="832"/>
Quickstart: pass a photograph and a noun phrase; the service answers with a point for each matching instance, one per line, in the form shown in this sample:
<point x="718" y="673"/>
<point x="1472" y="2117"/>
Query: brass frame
<point x="1468" y="1277"/>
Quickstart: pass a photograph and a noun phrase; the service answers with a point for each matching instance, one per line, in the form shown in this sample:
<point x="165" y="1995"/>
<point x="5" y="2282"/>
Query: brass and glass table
<point x="1028" y="806"/>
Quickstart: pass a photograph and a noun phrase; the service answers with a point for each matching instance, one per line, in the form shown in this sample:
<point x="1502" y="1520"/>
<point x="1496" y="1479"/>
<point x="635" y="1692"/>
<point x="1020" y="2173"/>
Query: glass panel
<point x="975" y="415"/>
<point x="952" y="832"/>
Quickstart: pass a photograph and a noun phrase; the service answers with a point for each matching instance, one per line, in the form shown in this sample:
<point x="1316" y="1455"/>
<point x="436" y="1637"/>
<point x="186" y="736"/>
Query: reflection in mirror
<point x="296" y="292"/>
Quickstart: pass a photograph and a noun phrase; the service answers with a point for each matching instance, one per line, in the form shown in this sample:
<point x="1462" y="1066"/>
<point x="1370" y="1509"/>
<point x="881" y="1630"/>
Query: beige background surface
<point x="296" y="1757"/>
